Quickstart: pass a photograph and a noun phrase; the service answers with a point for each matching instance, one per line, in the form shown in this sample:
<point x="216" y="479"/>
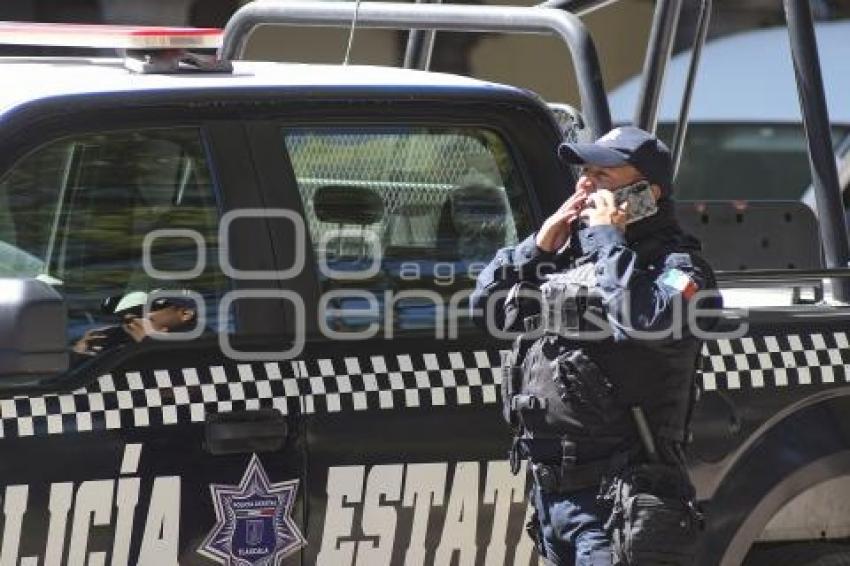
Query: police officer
<point x="603" y="375"/>
<point x="167" y="313"/>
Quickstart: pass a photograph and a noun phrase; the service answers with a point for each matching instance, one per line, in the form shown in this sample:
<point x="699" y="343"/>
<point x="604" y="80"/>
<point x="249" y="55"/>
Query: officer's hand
<point x="603" y="211"/>
<point x="556" y="229"/>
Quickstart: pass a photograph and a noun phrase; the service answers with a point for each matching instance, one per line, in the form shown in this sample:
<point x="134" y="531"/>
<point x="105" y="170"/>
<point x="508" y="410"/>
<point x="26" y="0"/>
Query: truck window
<point x="402" y="220"/>
<point x="759" y="161"/>
<point x="75" y="213"/>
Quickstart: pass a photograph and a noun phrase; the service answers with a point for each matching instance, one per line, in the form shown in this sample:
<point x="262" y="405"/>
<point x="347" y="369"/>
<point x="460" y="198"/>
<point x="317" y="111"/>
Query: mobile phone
<point x="111" y="336"/>
<point x="641" y="201"/>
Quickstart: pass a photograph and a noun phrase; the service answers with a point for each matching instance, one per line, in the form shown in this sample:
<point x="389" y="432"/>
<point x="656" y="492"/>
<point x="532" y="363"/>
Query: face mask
<point x="641" y="201"/>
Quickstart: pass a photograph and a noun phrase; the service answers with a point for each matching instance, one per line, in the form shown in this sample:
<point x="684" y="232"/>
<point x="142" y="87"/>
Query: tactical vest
<point x="566" y="382"/>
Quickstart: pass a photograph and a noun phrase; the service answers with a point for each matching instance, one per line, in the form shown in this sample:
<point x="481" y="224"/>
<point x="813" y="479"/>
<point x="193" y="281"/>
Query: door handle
<point x="262" y="430"/>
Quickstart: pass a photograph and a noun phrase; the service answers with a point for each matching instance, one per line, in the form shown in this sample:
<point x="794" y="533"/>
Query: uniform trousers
<point x="572" y="527"/>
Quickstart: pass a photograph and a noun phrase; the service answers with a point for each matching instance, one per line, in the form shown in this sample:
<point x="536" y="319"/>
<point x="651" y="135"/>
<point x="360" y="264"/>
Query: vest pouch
<point x="572" y="306"/>
<point x="523" y="301"/>
<point x="583" y="386"/>
<point x="512" y="375"/>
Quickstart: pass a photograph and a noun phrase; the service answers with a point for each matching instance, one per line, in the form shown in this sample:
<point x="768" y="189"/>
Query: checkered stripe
<point x="776" y="361"/>
<point x="404" y="380"/>
<point x="150" y="398"/>
<point x="378" y="382"/>
<point x="167" y="397"/>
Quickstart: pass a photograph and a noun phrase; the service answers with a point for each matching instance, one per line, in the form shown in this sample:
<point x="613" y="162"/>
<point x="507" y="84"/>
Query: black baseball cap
<point x="626" y="145"/>
<point x="179" y="301"/>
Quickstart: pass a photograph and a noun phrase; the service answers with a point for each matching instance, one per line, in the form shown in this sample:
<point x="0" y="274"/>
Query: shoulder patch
<point x="679" y="281"/>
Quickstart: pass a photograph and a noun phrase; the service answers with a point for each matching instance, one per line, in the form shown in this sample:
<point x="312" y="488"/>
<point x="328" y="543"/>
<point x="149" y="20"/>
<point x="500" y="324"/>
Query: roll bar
<point x="700" y="35"/>
<point x="577" y="7"/>
<point x="420" y="45"/>
<point x="438" y="17"/>
<point x="833" y="225"/>
<point x="801" y="34"/>
<point x="427" y="16"/>
<point x="658" y="50"/>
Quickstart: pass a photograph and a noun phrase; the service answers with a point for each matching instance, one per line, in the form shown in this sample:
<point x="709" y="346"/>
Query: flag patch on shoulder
<point x="680" y="281"/>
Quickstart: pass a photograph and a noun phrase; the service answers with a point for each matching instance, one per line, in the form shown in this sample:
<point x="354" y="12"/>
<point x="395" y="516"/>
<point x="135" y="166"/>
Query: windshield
<point x="744" y="161"/>
<point x="106" y="215"/>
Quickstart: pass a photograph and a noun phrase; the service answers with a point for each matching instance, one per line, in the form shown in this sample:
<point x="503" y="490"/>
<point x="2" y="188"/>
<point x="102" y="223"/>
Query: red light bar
<point x="109" y="36"/>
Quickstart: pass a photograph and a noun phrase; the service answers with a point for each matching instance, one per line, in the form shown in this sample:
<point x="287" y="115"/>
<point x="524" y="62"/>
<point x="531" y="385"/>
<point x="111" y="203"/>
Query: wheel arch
<point x="807" y="446"/>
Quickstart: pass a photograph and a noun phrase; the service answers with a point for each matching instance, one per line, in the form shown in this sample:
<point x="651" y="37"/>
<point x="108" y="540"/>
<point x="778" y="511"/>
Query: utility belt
<point x="559" y="479"/>
<point x="654" y="517"/>
<point x="555" y="467"/>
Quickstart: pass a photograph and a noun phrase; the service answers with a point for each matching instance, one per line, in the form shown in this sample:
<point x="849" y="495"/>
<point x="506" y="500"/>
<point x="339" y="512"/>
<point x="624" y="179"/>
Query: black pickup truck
<point x="330" y="402"/>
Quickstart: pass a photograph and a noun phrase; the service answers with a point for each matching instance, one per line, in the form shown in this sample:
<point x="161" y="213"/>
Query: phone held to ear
<point x="641" y="201"/>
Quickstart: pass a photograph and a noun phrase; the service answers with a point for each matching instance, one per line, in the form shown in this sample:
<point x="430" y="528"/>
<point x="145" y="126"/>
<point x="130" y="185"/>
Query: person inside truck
<point x="166" y="314"/>
<point x="602" y="378"/>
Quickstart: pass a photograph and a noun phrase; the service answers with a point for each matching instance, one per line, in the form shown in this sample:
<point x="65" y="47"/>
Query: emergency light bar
<point x="147" y="38"/>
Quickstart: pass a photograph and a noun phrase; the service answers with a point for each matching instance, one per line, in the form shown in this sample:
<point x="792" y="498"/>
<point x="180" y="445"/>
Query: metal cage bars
<point x="438" y="17"/>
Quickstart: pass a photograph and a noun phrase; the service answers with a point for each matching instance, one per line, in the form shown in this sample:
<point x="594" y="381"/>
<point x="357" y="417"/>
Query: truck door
<point x="407" y="456"/>
<point x="153" y="452"/>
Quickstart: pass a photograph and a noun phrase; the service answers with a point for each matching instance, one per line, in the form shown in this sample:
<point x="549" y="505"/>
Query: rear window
<point x="403" y="219"/>
<point x="744" y="161"/>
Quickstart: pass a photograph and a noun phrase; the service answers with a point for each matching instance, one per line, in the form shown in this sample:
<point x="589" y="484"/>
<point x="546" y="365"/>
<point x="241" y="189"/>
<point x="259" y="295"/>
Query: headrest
<point x="475" y="207"/>
<point x="346" y="204"/>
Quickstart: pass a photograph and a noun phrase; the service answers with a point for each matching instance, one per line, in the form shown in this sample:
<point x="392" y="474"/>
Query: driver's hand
<point x="88" y="344"/>
<point x="138" y="328"/>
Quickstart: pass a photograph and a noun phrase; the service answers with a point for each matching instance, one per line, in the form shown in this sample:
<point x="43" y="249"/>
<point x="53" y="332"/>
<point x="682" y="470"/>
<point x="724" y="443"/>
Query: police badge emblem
<point x="253" y="522"/>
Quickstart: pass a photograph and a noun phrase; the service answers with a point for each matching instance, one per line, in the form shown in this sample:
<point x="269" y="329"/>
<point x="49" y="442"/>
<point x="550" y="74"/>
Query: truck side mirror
<point x="33" y="319"/>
